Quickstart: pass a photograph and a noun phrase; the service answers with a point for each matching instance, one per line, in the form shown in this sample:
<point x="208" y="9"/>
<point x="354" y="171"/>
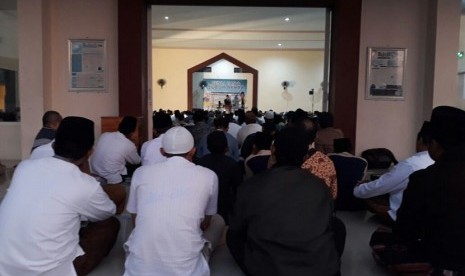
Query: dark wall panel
<point x="132" y="59"/>
<point x="345" y="45"/>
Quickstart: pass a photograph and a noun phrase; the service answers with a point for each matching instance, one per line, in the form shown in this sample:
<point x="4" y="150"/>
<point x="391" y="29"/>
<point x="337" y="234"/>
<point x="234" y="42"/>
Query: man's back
<point x="321" y="166"/>
<point x="234" y="129"/>
<point x="170" y="199"/>
<point x="229" y="178"/>
<point x="246" y="131"/>
<point x="111" y="153"/>
<point x="233" y="147"/>
<point x="150" y="151"/>
<point x="40" y="217"/>
<point x="199" y="130"/>
<point x="281" y="224"/>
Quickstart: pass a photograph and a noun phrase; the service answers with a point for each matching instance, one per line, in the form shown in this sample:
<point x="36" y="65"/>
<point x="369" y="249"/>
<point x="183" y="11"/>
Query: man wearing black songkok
<point x="40" y="216"/>
<point x="431" y="219"/>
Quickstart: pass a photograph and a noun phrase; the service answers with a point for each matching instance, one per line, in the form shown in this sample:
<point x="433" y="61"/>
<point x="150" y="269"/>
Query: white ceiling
<point x="251" y="28"/>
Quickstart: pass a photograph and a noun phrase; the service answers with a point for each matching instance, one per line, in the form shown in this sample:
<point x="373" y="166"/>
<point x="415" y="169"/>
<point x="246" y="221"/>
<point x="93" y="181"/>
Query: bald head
<point x="51" y="119"/>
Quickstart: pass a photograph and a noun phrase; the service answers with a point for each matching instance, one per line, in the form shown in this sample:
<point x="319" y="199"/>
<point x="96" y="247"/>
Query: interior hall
<point x="318" y="56"/>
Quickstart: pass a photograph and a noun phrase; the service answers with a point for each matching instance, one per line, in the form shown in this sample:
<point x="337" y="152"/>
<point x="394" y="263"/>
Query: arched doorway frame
<point x="223" y="56"/>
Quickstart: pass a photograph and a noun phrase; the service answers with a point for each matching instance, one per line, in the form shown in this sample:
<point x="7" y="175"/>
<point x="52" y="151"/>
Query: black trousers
<point x="97" y="240"/>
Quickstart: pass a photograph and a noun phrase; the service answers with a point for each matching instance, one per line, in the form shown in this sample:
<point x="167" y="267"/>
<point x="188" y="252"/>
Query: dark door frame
<point x="344" y="54"/>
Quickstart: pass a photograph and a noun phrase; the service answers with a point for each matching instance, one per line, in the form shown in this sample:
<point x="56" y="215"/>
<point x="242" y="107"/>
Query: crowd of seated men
<point x="267" y="184"/>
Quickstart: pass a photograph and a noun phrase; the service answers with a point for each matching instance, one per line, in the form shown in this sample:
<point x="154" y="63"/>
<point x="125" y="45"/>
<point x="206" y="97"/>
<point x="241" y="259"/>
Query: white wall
<point x="461" y="65"/>
<point x="461" y="62"/>
<point x="67" y="21"/>
<point x="303" y="69"/>
<point x="45" y="26"/>
<point x="31" y="71"/>
<point x="9" y="146"/>
<point x="448" y="14"/>
<point x="406" y="24"/>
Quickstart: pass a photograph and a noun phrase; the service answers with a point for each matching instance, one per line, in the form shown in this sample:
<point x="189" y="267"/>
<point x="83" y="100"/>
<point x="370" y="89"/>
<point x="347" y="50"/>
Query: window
<point x="9" y="62"/>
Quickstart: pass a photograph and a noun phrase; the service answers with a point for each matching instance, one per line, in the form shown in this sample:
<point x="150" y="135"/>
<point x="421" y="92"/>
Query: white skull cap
<point x="177" y="140"/>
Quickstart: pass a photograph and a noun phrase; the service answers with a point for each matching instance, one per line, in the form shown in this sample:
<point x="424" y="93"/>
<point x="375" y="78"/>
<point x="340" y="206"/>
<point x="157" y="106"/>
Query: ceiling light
<point x="167" y="17"/>
<point x="287" y="19"/>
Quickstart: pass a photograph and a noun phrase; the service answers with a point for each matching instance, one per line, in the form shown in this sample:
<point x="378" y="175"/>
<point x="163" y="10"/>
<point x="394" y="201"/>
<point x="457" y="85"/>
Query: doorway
<point x="134" y="54"/>
<point x="287" y="45"/>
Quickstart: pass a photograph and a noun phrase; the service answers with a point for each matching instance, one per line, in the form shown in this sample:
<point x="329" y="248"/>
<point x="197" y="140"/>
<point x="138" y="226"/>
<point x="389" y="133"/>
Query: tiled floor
<point x="356" y="261"/>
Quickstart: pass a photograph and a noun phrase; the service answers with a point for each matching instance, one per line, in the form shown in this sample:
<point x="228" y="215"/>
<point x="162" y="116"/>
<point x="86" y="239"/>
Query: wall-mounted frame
<point x="87" y="61"/>
<point x="386" y="73"/>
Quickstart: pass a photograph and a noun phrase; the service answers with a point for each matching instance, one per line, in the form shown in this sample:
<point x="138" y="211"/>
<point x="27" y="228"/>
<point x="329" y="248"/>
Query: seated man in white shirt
<point x="150" y="151"/>
<point x="395" y="181"/>
<point x="112" y="152"/>
<point x="118" y="196"/>
<point x="40" y="216"/>
<point x="173" y="204"/>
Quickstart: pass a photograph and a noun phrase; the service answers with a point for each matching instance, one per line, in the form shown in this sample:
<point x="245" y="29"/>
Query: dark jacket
<point x="229" y="177"/>
<point x="432" y="214"/>
<point x="281" y="225"/>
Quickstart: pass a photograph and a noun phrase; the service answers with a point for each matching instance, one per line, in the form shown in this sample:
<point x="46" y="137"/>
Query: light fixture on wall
<point x="161" y="82"/>
<point x="285" y="84"/>
<point x="203" y="84"/>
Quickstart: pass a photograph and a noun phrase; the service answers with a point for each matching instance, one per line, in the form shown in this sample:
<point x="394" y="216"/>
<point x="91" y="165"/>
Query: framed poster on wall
<point x="385" y="73"/>
<point x="87" y="58"/>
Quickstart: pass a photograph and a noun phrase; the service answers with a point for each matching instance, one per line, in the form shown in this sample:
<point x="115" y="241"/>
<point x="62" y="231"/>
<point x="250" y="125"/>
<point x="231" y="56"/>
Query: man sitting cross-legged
<point x="228" y="171"/>
<point x="395" y="181"/>
<point x="281" y="224"/>
<point x="40" y="216"/>
<point x="430" y="220"/>
<point x="114" y="150"/>
<point x="173" y="204"/>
